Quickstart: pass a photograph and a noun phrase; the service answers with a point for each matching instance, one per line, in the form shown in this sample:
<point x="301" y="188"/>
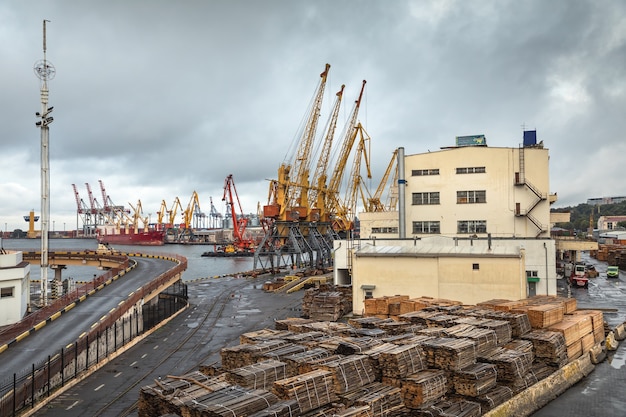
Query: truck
<point x="612" y="272"/>
<point x="579" y="276"/>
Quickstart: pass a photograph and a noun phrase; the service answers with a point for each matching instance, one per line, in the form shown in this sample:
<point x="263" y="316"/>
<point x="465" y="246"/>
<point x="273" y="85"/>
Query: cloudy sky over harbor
<point x="158" y="99"/>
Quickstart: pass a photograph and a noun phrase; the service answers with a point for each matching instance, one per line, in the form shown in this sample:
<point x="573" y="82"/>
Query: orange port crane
<point x="240" y="222"/>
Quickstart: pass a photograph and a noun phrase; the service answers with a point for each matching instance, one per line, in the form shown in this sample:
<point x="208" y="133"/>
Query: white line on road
<point x="98" y="387"/>
<point x="72" y="406"/>
<point x="144" y="355"/>
<point x="156" y="347"/>
<point x="117" y="374"/>
<point x="133" y="364"/>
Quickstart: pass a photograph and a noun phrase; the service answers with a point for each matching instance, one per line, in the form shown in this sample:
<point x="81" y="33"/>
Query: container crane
<point x="240" y="244"/>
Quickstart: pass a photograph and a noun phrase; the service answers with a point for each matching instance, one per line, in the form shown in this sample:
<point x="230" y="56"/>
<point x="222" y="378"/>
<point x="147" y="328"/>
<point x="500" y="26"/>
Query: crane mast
<point x="240" y="243"/>
<point x="347" y="211"/>
<point x="374" y="203"/>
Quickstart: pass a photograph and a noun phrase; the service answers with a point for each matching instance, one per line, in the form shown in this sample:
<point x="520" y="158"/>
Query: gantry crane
<point x="241" y="243"/>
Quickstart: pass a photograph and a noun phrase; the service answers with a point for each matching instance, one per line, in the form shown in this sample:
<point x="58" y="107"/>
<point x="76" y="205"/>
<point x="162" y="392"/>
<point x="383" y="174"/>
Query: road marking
<point x="117" y="374"/>
<point x="98" y="388"/>
<point x="133" y="364"/>
<point x="156" y="347"/>
<point x="165" y="340"/>
<point x="144" y="355"/>
<point x="72" y="406"/>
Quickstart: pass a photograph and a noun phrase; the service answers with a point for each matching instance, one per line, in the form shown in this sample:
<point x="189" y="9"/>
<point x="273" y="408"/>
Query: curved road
<point x="68" y="327"/>
<point x="220" y="311"/>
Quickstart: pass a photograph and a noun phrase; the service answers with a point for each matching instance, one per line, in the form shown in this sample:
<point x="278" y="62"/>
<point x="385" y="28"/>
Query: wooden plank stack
<point x="597" y="322"/>
<point x="502" y="328"/>
<point x="545" y="315"/>
<point x="260" y="375"/>
<point x="548" y="346"/>
<point x="350" y="372"/>
<point x="289" y="408"/>
<point x="247" y="354"/>
<point x="446" y="408"/>
<point x="401" y="361"/>
<point x="327" y="306"/>
<point x="296" y="362"/>
<point x="382" y="400"/>
<point x="485" y="339"/>
<point x="423" y="387"/>
<point x="449" y="354"/>
<point x="311" y="390"/>
<point x="512" y="365"/>
<point x="475" y="379"/>
<point x="520" y="324"/>
<point x="494" y="397"/>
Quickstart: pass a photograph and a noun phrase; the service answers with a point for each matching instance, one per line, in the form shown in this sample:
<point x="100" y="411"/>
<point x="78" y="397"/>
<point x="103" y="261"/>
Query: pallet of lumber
<point x="549" y="346"/>
<point x="396" y="327"/>
<point x="288" y="408"/>
<point x="418" y="317"/>
<point x="313" y="364"/>
<point x="448" y="353"/>
<point x="327" y="306"/>
<point x="412" y="340"/>
<point x="371" y="333"/>
<point x="356" y="345"/>
<point x="350" y="372"/>
<point x="521" y="345"/>
<point x="441" y="320"/>
<point x="450" y="408"/>
<point x="296" y="362"/>
<point x="494" y="397"/>
<point x="584" y="322"/>
<point x="401" y="361"/>
<point x="587" y="342"/>
<point x="301" y="338"/>
<point x="247" y="354"/>
<point x="574" y="350"/>
<point x="229" y="402"/>
<point x="597" y="322"/>
<point x="545" y="315"/>
<point x="542" y="370"/>
<point x="521" y="384"/>
<point x="367" y="322"/>
<point x="423" y="387"/>
<point x="491" y="304"/>
<point x="511" y="365"/>
<point x="432" y="331"/>
<point x="485" y="339"/>
<point x="569" y="328"/>
<point x="330" y="343"/>
<point x="502" y="328"/>
<point x="381" y="399"/>
<point x="261" y="335"/>
<point x="260" y="375"/>
<point x="279" y="353"/>
<point x="292" y="324"/>
<point x="569" y="304"/>
<point x="520" y="324"/>
<point x="311" y="390"/>
<point x="475" y="379"/>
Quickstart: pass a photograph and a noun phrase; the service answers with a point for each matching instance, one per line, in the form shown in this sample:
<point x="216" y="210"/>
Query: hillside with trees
<point x="579" y="215"/>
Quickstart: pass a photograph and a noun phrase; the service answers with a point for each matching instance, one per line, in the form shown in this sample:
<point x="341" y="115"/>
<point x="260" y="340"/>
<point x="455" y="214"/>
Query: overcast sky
<point x="159" y="99"/>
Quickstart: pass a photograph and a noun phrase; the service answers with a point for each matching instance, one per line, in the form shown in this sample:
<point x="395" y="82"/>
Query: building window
<point x="532" y="274"/>
<point x="420" y="199"/>
<point x="423" y="172"/>
<point x="471" y="170"/>
<point x="471" y="226"/>
<point x="475" y="267"/>
<point x="6" y="292"/>
<point x="426" y="228"/>
<point x="384" y="230"/>
<point x="369" y="294"/>
<point x="471" y="197"/>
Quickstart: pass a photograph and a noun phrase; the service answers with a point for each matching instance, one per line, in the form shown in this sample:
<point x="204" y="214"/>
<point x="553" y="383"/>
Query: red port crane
<point x="240" y="242"/>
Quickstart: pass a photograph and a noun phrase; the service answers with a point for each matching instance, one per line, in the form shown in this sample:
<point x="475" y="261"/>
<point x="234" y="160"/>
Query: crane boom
<point x="332" y="195"/>
<point x="374" y="203"/>
<point x="318" y="182"/>
<point x="240" y="222"/>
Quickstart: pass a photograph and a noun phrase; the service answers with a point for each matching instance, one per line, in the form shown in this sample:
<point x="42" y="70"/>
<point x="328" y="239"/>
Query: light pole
<point x="45" y="71"/>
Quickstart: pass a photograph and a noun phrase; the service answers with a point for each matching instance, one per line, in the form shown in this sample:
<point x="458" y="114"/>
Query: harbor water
<point x="197" y="265"/>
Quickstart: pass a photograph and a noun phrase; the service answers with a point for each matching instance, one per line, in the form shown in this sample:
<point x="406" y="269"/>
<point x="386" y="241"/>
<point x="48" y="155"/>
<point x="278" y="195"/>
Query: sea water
<point x="197" y="265"/>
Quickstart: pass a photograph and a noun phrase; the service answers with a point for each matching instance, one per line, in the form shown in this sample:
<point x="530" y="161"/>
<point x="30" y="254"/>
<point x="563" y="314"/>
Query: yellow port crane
<point x="289" y="193"/>
<point x="170" y="212"/>
<point x="192" y="207"/>
<point x="389" y="182"/>
<point x="138" y="217"/>
<point x="333" y="203"/>
<point x="317" y="193"/>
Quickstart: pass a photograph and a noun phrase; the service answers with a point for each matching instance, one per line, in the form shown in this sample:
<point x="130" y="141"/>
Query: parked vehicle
<point x="591" y="271"/>
<point x="579" y="277"/>
<point x="612" y="272"/>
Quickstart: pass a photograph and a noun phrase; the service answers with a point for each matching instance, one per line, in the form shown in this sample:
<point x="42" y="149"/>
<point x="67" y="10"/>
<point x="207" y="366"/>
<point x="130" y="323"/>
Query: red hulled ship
<point x="131" y="237"/>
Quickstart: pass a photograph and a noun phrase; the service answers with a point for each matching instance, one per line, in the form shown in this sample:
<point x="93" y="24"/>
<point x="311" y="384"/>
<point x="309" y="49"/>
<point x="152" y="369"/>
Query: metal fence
<point x="25" y="388"/>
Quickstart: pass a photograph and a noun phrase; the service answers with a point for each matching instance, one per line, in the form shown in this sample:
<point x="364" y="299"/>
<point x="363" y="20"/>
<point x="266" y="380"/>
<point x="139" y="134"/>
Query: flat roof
<point x="435" y="251"/>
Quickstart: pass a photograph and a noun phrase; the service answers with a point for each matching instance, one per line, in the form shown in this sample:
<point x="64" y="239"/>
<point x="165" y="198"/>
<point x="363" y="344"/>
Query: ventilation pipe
<point x="401" y="195"/>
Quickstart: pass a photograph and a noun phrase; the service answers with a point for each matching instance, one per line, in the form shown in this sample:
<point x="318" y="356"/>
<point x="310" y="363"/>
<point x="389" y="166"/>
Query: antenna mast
<point x="45" y="71"/>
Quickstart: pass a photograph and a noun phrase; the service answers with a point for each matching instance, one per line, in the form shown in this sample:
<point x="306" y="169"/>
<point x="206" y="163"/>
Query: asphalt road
<point x="601" y="393"/>
<point x="68" y="327"/>
<point x="221" y="310"/>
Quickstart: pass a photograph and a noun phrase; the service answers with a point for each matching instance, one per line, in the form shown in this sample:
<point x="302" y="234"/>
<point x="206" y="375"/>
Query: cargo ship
<point x="112" y="236"/>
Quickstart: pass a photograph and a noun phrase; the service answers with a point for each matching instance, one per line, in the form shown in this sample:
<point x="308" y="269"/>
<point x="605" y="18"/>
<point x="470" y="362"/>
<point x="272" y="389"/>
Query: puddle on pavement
<point x="616" y="361"/>
<point x="192" y="325"/>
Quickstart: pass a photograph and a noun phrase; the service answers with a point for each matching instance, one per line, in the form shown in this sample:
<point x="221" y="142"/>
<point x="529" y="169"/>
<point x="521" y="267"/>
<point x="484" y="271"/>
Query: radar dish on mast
<point x="44" y="70"/>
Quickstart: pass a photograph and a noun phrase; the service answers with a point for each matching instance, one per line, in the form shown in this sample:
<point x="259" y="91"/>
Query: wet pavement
<point x="601" y="393"/>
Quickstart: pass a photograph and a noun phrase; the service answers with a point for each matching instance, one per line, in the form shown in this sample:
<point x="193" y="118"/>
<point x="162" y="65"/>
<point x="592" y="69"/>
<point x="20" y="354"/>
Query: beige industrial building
<point x="473" y="223"/>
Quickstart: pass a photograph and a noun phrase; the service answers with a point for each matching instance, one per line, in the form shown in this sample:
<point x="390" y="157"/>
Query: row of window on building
<point x="434" y="227"/>
<point x="435" y="171"/>
<point x="462" y="197"/>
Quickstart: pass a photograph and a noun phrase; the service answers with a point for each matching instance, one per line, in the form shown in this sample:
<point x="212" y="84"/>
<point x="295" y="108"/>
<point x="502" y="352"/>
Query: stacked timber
<point x="311" y="390"/>
<point x="247" y="354"/>
<point x="368" y="322"/>
<point x="494" y="397"/>
<point x="356" y="345"/>
<point x="401" y="361"/>
<point x="502" y="328"/>
<point x="548" y="346"/>
<point x="485" y="339"/>
<point x="475" y="380"/>
<point x="419" y="317"/>
<point x="279" y="353"/>
<point x="449" y="353"/>
<point x="379" y="307"/>
<point x="445" y="408"/>
<point x="260" y="375"/>
<point x="519" y="322"/>
<point x="544" y="315"/>
<point x="327" y="306"/>
<point x="597" y="322"/>
<point x="423" y="387"/>
<point x="289" y="408"/>
<point x="511" y="365"/>
<point x="295" y="363"/>
<point x="382" y="400"/>
<point x="374" y="333"/>
<point x="350" y="372"/>
<point x="292" y="324"/>
<point x="231" y="401"/>
<point x="261" y="335"/>
<point x="303" y="338"/>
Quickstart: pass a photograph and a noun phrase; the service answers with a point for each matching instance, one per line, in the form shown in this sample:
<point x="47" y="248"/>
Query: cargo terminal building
<point x="473" y="224"/>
